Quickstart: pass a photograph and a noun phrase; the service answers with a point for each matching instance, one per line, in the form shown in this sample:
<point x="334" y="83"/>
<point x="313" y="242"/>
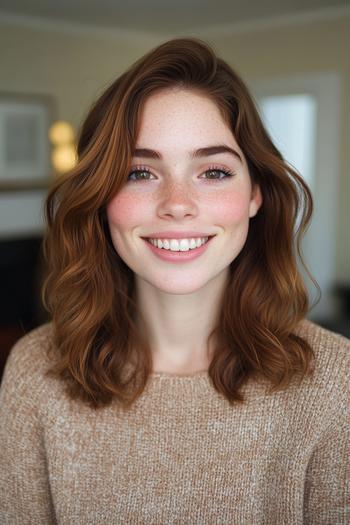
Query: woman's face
<point x="181" y="192"/>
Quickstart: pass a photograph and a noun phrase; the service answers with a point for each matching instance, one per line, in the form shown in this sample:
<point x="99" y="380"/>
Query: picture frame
<point x="25" y="149"/>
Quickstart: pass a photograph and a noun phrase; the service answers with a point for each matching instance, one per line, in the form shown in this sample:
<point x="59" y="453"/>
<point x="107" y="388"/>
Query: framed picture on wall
<point x="24" y="141"/>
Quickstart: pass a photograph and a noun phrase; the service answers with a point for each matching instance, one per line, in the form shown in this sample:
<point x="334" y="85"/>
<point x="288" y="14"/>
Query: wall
<point x="320" y="46"/>
<point x="73" y="67"/>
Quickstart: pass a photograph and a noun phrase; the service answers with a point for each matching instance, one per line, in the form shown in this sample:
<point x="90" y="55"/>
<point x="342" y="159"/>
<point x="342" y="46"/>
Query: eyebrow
<point x="198" y="153"/>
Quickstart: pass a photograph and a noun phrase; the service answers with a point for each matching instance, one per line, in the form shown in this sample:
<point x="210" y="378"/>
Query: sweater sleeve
<point x="24" y="486"/>
<point x="327" y="487"/>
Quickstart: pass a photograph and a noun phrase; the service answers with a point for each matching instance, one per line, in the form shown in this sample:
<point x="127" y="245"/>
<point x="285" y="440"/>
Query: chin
<point x="176" y="286"/>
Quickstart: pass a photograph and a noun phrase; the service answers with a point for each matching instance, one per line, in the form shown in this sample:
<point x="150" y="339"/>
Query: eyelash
<point x="227" y="173"/>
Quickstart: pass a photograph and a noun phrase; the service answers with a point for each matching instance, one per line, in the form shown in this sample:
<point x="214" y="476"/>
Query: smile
<point x="179" y="255"/>
<point x="177" y="245"/>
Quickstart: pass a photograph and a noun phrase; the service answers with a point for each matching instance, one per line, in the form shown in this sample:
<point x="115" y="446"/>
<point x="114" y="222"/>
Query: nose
<point x="178" y="199"/>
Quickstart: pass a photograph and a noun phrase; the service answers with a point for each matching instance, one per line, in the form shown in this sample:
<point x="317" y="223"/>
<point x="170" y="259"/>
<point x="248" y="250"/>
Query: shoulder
<point x="331" y="379"/>
<point x="329" y="347"/>
<point x="29" y="358"/>
<point x="31" y="351"/>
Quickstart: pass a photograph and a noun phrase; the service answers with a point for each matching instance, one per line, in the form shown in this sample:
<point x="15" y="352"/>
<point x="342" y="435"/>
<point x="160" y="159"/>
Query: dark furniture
<point x="20" y="283"/>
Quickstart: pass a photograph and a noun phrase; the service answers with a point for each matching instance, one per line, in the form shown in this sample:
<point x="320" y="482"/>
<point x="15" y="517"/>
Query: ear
<point x="256" y="201"/>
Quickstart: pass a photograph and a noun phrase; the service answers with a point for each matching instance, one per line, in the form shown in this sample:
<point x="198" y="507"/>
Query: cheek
<point x="233" y="208"/>
<point x="124" y="210"/>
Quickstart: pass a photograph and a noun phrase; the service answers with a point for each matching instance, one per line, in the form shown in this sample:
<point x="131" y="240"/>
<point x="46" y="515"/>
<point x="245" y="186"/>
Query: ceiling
<point x="164" y="16"/>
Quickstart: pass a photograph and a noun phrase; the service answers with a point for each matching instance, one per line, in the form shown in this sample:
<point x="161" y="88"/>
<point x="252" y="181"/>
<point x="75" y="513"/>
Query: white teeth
<point x="179" y="245"/>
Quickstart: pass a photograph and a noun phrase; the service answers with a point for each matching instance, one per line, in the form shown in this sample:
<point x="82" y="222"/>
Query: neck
<point x="179" y="325"/>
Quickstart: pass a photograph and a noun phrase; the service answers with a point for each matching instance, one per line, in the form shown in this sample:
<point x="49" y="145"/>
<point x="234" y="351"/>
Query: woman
<point x="179" y="380"/>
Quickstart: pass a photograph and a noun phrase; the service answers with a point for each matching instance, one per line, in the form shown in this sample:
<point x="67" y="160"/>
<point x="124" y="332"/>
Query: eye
<point x="139" y="171"/>
<point x="227" y="174"/>
<point x="143" y="173"/>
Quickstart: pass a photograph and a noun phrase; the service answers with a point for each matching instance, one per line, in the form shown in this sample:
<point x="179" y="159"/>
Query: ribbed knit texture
<point x="183" y="455"/>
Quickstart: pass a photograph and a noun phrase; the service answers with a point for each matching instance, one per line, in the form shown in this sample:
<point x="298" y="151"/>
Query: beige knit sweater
<point x="183" y="455"/>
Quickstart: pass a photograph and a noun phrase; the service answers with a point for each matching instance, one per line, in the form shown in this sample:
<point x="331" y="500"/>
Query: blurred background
<point x="56" y="58"/>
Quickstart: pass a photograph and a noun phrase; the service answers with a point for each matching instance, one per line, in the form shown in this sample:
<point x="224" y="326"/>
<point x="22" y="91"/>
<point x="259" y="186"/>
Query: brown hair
<point x="89" y="290"/>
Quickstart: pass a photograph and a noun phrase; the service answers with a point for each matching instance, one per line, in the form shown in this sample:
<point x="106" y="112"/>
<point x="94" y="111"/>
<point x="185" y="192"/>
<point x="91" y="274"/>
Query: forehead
<point x="175" y="121"/>
<point x="181" y="108"/>
<point x="179" y="123"/>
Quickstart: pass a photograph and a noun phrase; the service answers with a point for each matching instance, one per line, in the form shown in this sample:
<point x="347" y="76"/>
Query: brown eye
<point x="227" y="174"/>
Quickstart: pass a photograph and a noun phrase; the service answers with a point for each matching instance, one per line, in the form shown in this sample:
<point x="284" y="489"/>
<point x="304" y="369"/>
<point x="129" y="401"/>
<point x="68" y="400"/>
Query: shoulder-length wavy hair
<point x="89" y="290"/>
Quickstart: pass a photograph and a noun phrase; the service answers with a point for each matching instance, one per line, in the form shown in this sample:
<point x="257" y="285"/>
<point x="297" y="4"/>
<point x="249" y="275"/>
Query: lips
<point x="177" y="235"/>
<point x="208" y="239"/>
